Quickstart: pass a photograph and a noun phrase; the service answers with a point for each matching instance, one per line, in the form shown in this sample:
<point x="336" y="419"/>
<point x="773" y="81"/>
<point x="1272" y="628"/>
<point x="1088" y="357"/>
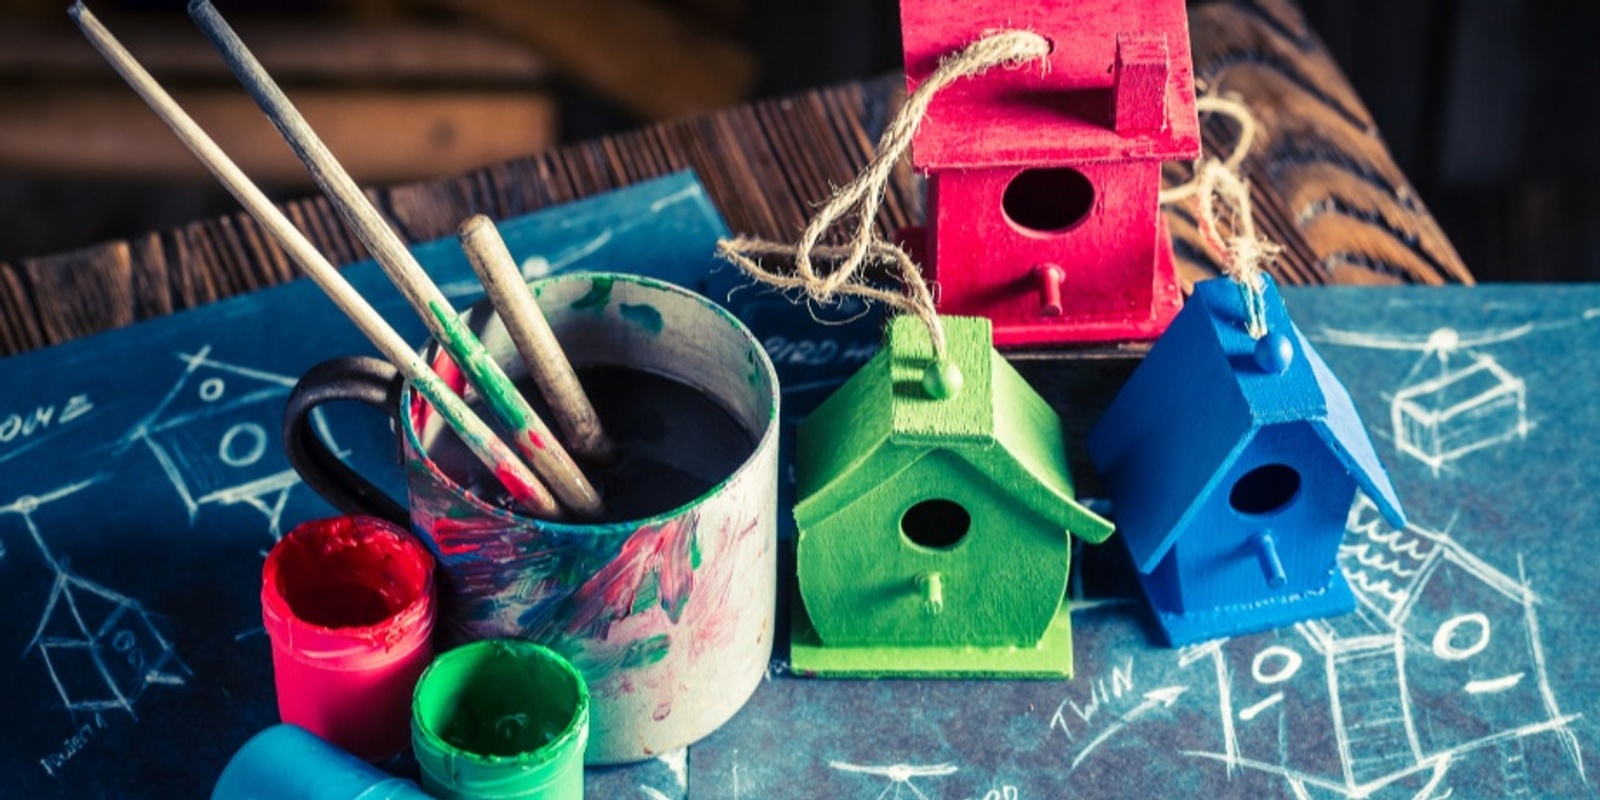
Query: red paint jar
<point x="348" y="604"/>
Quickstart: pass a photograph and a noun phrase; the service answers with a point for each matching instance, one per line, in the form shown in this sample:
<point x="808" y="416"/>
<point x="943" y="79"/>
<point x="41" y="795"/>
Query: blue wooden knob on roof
<point x="1274" y="353"/>
<point x="1234" y="520"/>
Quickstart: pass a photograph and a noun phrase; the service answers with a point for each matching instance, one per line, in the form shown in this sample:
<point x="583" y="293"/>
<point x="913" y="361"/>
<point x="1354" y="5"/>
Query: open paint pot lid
<point x="348" y="592"/>
<point x="501" y="718"/>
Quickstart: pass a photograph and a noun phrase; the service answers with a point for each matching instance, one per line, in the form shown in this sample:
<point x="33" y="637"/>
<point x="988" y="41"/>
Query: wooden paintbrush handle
<point x="530" y="331"/>
<point x="528" y="432"/>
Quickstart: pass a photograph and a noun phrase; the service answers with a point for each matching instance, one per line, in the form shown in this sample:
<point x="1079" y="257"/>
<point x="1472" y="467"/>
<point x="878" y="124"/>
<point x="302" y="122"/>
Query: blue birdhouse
<point x="1231" y="464"/>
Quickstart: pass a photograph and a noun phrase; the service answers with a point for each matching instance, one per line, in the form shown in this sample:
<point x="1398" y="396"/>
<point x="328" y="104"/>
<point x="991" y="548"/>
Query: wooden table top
<point x="1323" y="183"/>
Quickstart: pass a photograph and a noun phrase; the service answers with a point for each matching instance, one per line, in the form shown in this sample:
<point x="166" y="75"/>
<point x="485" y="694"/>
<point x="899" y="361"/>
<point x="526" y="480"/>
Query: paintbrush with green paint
<point x="530" y="494"/>
<point x="528" y="433"/>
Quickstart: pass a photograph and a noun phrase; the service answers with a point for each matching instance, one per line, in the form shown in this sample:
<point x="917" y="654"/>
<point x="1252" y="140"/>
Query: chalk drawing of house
<point x="215" y="435"/>
<point x="1440" y="670"/>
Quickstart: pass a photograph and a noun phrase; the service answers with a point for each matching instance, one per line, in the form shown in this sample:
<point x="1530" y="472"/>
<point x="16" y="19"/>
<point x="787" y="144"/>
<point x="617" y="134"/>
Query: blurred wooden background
<point x="1488" y="105"/>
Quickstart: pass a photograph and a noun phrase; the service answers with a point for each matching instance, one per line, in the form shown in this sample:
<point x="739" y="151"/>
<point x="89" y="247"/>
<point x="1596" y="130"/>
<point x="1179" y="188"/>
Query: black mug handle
<point x="362" y="379"/>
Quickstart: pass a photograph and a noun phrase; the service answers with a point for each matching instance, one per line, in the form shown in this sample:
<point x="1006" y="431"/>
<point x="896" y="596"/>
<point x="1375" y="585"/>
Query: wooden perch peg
<point x="1271" y="563"/>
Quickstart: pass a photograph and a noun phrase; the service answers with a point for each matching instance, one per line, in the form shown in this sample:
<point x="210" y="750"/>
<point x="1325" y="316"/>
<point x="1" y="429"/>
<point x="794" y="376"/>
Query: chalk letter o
<point x="1445" y="648"/>
<point x="1291" y="665"/>
<point x="256" y="449"/>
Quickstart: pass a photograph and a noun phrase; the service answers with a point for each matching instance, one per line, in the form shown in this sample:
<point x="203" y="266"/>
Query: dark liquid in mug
<point x="674" y="443"/>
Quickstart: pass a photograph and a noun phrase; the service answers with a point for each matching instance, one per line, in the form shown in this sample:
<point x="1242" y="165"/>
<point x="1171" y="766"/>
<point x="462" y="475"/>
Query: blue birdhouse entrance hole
<point x="1265" y="489"/>
<point x="936" y="524"/>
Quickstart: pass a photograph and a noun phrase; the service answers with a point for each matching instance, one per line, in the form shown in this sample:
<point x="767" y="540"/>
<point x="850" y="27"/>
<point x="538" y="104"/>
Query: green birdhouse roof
<point x="882" y="421"/>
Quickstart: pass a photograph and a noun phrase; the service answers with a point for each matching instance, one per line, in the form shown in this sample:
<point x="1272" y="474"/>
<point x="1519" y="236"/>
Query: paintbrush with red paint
<point x="528" y="433"/>
<point x="529" y="492"/>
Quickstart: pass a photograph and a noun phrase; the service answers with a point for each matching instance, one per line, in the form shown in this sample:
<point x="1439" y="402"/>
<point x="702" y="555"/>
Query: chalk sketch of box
<point x="1459" y="411"/>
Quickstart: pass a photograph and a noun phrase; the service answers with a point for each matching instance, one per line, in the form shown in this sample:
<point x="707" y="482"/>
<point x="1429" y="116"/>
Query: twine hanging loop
<point x="863" y="196"/>
<point x="1218" y="188"/>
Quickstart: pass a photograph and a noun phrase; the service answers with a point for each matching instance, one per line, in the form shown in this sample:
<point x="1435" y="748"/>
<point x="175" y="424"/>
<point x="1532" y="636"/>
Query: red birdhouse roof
<point x="1069" y="111"/>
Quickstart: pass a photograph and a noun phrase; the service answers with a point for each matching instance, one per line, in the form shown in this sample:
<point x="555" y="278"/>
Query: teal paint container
<point x="288" y="761"/>
<point x="501" y="718"/>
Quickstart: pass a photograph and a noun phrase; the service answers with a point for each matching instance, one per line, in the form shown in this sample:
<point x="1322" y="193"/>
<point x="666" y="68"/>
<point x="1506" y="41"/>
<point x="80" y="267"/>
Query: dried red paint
<point x="529" y="495"/>
<point x="609" y="595"/>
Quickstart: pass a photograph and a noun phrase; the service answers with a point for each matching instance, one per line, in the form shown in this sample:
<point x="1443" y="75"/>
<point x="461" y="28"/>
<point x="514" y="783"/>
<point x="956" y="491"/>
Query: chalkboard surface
<point x="1464" y="674"/>
<point x="141" y="482"/>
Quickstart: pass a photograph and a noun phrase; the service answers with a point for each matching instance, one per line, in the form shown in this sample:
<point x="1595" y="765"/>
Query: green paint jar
<point x="501" y="718"/>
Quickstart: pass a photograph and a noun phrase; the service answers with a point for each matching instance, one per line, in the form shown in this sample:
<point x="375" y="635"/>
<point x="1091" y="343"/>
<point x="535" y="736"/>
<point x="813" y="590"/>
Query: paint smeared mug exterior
<point x="669" y="618"/>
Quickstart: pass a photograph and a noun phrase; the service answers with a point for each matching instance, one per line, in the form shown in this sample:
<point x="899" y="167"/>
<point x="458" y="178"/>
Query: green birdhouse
<point x="935" y="514"/>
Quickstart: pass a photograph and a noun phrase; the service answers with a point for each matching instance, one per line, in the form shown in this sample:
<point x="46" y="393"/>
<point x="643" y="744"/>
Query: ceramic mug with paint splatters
<point x="666" y="604"/>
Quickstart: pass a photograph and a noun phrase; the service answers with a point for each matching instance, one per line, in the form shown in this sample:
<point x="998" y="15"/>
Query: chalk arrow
<point x="1166" y="696"/>
<point x="1155" y="698"/>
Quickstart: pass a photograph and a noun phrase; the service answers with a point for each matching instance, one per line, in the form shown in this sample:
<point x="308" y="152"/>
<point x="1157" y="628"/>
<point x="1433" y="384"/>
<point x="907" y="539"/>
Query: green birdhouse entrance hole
<point x="936" y="524"/>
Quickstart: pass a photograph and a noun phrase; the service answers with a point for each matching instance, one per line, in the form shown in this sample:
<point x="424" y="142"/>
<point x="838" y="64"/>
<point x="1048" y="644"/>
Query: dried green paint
<point x="649" y="592"/>
<point x="498" y="391"/>
<point x="645" y="652"/>
<point x="461" y="512"/>
<point x="599" y="295"/>
<point x="644" y="316"/>
<point x="433" y="389"/>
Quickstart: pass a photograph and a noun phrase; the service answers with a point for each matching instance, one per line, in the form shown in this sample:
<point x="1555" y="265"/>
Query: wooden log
<point x="313" y="50"/>
<point x="1330" y="195"/>
<point x="642" y="57"/>
<point x="108" y="133"/>
<point x="727" y="16"/>
<point x="87" y="288"/>
<point x="1323" y="182"/>
<point x="19" y="321"/>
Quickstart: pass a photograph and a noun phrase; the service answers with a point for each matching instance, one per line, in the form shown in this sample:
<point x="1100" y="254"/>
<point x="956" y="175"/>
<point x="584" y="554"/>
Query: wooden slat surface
<point x="109" y="132"/>
<point x="294" y="49"/>
<point x="1324" y="186"/>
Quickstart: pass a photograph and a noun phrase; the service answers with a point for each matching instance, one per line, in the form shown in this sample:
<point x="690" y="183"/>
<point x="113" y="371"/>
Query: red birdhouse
<point x="1043" y="179"/>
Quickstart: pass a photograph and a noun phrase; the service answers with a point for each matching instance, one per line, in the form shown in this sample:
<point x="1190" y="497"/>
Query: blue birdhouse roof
<point x="881" y="421"/>
<point x="1193" y="406"/>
